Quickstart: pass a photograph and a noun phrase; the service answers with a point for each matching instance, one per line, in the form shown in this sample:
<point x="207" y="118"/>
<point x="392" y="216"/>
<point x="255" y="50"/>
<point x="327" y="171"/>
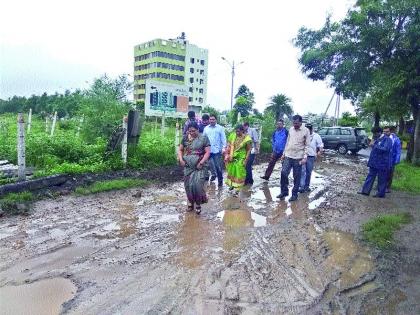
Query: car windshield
<point x="360" y="132"/>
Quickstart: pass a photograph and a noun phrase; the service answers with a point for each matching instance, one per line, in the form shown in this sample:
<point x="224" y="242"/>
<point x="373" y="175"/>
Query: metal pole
<point x="231" y="89"/>
<point x="21" y="148"/>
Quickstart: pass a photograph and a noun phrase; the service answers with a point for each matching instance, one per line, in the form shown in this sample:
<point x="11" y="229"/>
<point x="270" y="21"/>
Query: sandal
<point x="198" y="209"/>
<point x="190" y="207"/>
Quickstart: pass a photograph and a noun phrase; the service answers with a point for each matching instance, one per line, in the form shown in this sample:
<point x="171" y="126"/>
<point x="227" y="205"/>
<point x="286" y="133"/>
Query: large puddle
<point x="353" y="262"/>
<point x="43" y="297"/>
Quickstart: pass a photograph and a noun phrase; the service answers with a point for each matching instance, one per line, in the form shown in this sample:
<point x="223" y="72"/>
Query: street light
<point x="232" y="65"/>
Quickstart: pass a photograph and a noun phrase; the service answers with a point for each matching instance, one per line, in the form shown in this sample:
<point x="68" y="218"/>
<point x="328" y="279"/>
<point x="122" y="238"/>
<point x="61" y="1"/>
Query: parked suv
<point x="344" y="139"/>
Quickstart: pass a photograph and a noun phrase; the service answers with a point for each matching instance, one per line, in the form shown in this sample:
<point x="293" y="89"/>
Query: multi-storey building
<point x="174" y="61"/>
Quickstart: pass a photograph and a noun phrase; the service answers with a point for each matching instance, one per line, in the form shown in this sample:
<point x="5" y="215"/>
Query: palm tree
<point x="280" y="105"/>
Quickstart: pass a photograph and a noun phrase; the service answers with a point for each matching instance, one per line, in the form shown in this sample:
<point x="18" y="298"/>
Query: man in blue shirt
<point x="278" y="141"/>
<point x="395" y="154"/>
<point x="379" y="163"/>
<point x="217" y="138"/>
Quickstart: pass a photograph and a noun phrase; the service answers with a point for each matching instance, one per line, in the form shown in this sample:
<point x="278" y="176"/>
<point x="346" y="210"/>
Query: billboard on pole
<point x="162" y="97"/>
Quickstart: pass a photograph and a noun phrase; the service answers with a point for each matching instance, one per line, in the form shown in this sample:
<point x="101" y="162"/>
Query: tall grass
<point x="407" y="178"/>
<point x="380" y="230"/>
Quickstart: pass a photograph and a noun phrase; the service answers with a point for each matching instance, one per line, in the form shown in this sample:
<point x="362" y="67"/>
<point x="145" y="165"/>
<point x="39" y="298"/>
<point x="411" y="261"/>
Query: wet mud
<point x="247" y="253"/>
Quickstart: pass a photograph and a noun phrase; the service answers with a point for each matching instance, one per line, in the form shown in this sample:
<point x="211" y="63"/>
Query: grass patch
<point x="17" y="203"/>
<point x="407" y="178"/>
<point x="113" y="184"/>
<point x="380" y="230"/>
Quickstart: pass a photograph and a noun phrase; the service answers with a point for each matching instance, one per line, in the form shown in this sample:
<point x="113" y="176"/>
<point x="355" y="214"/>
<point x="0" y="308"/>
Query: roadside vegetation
<point x="407" y="178"/>
<point x="108" y="185"/>
<point x="16" y="203"/>
<point x="379" y="231"/>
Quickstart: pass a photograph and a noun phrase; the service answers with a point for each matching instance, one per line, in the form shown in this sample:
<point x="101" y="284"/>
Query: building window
<point x="200" y="100"/>
<point x="190" y="89"/>
<point x="191" y="80"/>
<point x="201" y="81"/>
<point x="201" y="91"/>
<point x="190" y="99"/>
<point x="202" y="62"/>
<point x="192" y="60"/>
<point x="202" y="72"/>
<point x="191" y="70"/>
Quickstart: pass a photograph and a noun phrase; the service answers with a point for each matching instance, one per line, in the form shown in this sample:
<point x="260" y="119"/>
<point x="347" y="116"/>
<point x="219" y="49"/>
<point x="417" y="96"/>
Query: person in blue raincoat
<point x="380" y="162"/>
<point x="396" y="154"/>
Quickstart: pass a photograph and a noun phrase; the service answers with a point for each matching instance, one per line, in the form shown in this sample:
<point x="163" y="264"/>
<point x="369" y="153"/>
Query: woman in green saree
<point x="240" y="145"/>
<point x="193" y="154"/>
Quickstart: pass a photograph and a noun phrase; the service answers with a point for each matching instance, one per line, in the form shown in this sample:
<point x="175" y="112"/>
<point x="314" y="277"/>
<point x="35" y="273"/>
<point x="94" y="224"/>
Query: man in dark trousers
<point x="294" y="156"/>
<point x="278" y="141"/>
<point x="379" y="163"/>
<point x="396" y="154"/>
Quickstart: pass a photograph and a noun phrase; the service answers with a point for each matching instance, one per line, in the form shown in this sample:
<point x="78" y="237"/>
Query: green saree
<point x="236" y="171"/>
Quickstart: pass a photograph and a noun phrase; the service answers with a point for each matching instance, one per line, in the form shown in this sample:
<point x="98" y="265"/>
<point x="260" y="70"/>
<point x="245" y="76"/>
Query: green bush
<point x="153" y="151"/>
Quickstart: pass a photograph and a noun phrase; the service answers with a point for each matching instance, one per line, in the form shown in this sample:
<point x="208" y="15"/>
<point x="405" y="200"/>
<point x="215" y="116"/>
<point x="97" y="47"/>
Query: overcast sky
<point x="50" y="45"/>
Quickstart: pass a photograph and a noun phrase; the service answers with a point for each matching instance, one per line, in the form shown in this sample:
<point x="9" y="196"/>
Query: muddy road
<point x="137" y="252"/>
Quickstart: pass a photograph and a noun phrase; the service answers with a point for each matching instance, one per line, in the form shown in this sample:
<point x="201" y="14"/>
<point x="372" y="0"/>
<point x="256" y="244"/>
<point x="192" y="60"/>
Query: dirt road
<point x="122" y="253"/>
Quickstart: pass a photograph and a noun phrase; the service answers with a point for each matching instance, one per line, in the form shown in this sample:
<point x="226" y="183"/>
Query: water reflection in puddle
<point x="241" y="218"/>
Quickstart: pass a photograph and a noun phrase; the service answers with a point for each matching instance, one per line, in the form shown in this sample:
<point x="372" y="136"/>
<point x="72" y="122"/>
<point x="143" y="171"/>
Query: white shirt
<point x="315" y="142"/>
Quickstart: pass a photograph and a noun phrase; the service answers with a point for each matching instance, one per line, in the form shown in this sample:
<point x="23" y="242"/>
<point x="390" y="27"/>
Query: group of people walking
<point x="204" y="148"/>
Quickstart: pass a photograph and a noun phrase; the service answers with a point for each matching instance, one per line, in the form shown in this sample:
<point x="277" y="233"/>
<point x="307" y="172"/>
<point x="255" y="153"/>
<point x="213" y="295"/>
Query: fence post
<point x="46" y="124"/>
<point x="162" y="127"/>
<point x="156" y="124"/>
<point x="176" y="137"/>
<point x="21" y="148"/>
<point x="260" y="137"/>
<point x="29" y="120"/>
<point x="80" y="125"/>
<point x="53" y="124"/>
<point x="124" y="141"/>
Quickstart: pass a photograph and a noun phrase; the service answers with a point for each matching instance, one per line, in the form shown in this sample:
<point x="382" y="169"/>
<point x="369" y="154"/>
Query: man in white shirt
<point x="316" y="146"/>
<point x="294" y="156"/>
<point x="217" y="138"/>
